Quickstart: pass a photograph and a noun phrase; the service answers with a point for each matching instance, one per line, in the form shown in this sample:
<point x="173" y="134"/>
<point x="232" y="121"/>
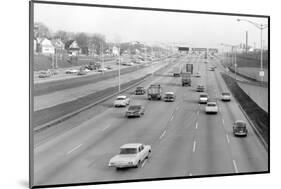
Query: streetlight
<point x="261" y="27"/>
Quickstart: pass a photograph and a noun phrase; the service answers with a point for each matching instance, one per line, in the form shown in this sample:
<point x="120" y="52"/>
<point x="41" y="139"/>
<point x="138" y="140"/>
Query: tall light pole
<point x="261" y="27"/>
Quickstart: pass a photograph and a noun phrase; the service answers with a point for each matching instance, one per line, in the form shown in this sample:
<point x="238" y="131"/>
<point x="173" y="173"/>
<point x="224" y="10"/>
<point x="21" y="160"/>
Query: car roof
<point x="240" y="121"/>
<point x="131" y="145"/>
<point x="169" y="93"/>
<point x="121" y="96"/>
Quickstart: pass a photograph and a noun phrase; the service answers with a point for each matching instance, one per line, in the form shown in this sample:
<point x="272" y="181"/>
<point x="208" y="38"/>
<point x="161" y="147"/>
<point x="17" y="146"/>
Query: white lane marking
<point x="222" y="121"/>
<point x="196" y="126"/>
<point x="227" y="138"/>
<point x="106" y="127"/>
<point x="163" y="134"/>
<point x="172" y="117"/>
<point x="73" y="149"/>
<point x="144" y="163"/>
<point x="194" y="146"/>
<point x="235" y="166"/>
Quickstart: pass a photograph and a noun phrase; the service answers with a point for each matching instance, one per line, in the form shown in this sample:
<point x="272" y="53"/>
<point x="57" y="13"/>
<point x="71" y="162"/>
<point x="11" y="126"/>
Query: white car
<point x="72" y="71"/>
<point x="203" y="98"/>
<point x="225" y="96"/>
<point x="131" y="155"/>
<point x="211" y="107"/>
<point x="121" y="101"/>
<point x="102" y="69"/>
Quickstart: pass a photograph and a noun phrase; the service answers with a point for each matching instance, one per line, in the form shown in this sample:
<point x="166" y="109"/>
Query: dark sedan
<point x="140" y="91"/>
<point x="135" y="111"/>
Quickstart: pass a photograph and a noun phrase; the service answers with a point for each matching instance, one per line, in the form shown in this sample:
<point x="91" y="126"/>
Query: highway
<point x="185" y="140"/>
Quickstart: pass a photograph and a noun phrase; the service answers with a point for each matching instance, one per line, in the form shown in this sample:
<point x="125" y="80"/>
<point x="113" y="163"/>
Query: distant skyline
<point x="123" y="25"/>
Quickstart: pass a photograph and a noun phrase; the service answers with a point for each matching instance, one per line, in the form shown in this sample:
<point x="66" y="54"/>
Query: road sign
<point x="261" y="73"/>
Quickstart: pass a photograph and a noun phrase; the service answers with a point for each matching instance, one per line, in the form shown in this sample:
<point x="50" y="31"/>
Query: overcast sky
<point x="196" y="30"/>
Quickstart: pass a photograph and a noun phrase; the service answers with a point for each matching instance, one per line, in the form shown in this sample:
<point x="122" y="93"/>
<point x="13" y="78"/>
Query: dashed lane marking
<point x="144" y="162"/>
<point x="196" y="126"/>
<point x="106" y="127"/>
<point x="227" y="138"/>
<point x="194" y="146"/>
<point x="235" y="166"/>
<point x="73" y="149"/>
<point x="163" y="134"/>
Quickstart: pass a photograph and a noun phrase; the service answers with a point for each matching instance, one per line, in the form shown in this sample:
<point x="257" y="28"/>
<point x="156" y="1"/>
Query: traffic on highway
<point x="117" y="107"/>
<point x="194" y="136"/>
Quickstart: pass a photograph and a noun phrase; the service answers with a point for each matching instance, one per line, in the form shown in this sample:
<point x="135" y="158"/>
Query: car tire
<point x="148" y="155"/>
<point x="138" y="164"/>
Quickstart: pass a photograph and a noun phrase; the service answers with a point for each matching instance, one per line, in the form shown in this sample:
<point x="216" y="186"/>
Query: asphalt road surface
<point x="185" y="141"/>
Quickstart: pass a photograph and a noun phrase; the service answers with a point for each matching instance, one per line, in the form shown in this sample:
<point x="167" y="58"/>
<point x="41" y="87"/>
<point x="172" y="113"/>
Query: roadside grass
<point x="258" y="116"/>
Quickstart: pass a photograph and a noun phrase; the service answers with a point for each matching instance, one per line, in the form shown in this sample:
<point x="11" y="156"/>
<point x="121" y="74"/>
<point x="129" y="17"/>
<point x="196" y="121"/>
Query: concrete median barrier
<point x="258" y="118"/>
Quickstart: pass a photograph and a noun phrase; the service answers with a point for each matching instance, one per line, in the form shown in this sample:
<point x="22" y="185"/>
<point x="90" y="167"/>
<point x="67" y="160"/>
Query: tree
<point x="97" y="41"/>
<point x="63" y="35"/>
<point x="41" y="30"/>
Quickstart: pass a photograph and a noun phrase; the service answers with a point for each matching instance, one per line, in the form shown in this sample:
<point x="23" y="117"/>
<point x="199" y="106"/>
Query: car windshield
<point x="169" y="95"/>
<point x="226" y="94"/>
<point x="134" y="107"/>
<point x="120" y="98"/>
<point x="128" y="151"/>
<point x="203" y="95"/>
<point x="212" y="104"/>
<point x="240" y="125"/>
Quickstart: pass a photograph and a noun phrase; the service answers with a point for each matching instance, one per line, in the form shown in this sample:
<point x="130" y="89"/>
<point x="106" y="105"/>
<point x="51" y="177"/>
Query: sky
<point x="123" y="25"/>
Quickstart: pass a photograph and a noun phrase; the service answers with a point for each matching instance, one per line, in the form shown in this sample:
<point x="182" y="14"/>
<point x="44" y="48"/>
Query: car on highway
<point x="197" y="74"/>
<point x="212" y="69"/>
<point x="108" y="67"/>
<point x="131" y="155"/>
<point x="45" y="74"/>
<point x="203" y="98"/>
<point x="53" y="71"/>
<point x="211" y="107"/>
<point x="240" y="128"/>
<point x="72" y="71"/>
<point x="200" y="88"/>
<point x="82" y="72"/>
<point x="140" y="91"/>
<point x="102" y="69"/>
<point x="225" y="96"/>
<point x="169" y="97"/>
<point x="135" y="111"/>
<point x="121" y="101"/>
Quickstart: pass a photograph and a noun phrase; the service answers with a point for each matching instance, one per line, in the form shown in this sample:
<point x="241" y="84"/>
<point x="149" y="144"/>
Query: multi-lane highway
<point x="185" y="140"/>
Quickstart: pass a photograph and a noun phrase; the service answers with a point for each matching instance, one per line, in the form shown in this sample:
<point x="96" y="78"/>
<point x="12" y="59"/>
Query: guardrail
<point x="258" y="118"/>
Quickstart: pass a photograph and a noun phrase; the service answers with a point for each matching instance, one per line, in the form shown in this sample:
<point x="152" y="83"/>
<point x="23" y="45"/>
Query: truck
<point x="176" y="71"/>
<point x="186" y="78"/>
<point x="189" y="68"/>
<point x="154" y="91"/>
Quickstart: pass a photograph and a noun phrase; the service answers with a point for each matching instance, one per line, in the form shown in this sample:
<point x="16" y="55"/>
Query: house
<point x="115" y="51"/>
<point x="59" y="45"/>
<point x="72" y="48"/>
<point x="45" y="46"/>
<point x="34" y="45"/>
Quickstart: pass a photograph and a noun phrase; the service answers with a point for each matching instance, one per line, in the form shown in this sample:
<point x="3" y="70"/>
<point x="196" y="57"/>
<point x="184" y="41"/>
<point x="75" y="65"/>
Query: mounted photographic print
<point x="126" y="94"/>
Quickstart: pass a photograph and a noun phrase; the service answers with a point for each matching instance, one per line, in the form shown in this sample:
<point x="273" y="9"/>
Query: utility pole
<point x="246" y="42"/>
